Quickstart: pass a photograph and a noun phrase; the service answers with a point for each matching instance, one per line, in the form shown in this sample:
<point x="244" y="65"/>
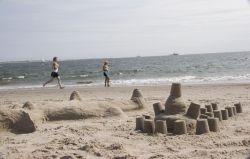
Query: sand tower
<point x="138" y="98"/>
<point x="75" y="95"/>
<point x="174" y="103"/>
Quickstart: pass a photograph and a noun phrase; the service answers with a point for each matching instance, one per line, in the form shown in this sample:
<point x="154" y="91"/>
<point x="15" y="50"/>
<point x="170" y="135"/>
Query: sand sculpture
<point x="177" y="120"/>
<point x="138" y="98"/>
<point x="18" y="121"/>
<point x="174" y="104"/>
<point x="28" y="105"/>
<point x="75" y="96"/>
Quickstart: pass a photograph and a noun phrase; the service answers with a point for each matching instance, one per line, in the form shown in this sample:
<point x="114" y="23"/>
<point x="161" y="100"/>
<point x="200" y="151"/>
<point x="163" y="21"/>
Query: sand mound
<point x="114" y="111"/>
<point x="16" y="120"/>
<point x="75" y="95"/>
<point x="15" y="106"/>
<point x="68" y="113"/>
<point x="28" y="105"/>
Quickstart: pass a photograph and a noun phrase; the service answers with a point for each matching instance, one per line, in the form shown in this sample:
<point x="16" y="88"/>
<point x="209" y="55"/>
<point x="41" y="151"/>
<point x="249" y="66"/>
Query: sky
<point x="72" y="29"/>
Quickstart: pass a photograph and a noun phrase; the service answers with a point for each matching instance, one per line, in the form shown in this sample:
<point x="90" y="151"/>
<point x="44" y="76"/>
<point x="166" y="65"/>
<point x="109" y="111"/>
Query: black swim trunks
<point x="54" y="74"/>
<point x="105" y="73"/>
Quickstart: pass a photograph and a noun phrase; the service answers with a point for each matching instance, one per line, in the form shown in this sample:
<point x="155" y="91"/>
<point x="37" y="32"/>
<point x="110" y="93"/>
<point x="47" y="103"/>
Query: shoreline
<point x="52" y="87"/>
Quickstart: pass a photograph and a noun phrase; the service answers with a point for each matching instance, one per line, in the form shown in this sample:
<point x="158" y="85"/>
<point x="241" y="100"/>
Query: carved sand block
<point x="161" y="127"/>
<point x="138" y="98"/>
<point x="75" y="95"/>
<point x="217" y="114"/>
<point x="193" y="111"/>
<point x="234" y="110"/>
<point x="139" y="123"/>
<point x="215" y="106"/>
<point x="238" y="107"/>
<point x="17" y="121"/>
<point x="149" y="126"/>
<point x="28" y="105"/>
<point x="158" y="108"/>
<point x="230" y="111"/>
<point x="174" y="103"/>
<point x="210" y="114"/>
<point x="224" y="114"/>
<point x="170" y="119"/>
<point x="209" y="108"/>
<point x="180" y="127"/>
<point x="213" y="124"/>
<point x="202" y="126"/>
<point x="203" y="116"/>
<point x="203" y="110"/>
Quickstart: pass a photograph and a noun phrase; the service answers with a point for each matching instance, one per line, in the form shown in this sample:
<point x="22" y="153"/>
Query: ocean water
<point x="195" y="69"/>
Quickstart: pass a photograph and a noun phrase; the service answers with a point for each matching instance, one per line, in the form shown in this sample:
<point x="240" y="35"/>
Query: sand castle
<point x="178" y="120"/>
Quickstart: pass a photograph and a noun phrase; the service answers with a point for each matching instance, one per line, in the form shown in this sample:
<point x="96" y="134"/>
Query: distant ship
<point x="175" y="54"/>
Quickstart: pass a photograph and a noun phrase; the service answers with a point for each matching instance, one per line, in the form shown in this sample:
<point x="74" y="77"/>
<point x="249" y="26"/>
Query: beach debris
<point x="230" y="111"/>
<point x="224" y="114"/>
<point x="148" y="126"/>
<point x="215" y="106"/>
<point x="209" y="108"/>
<point x="203" y="110"/>
<point x="139" y="123"/>
<point x="180" y="127"/>
<point x="238" y="107"/>
<point x="202" y="126"/>
<point x="161" y="127"/>
<point x="18" y="121"/>
<point x="75" y="95"/>
<point x="174" y="103"/>
<point x="138" y="98"/>
<point x="213" y="124"/>
<point x="193" y="111"/>
<point x="28" y="105"/>
<point x="158" y="108"/>
<point x="217" y="114"/>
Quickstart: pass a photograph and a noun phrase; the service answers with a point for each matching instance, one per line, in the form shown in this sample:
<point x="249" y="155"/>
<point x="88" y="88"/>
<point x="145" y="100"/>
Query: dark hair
<point x="54" y="58"/>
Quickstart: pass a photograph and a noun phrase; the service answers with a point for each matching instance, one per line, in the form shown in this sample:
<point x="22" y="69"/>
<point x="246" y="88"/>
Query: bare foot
<point x="62" y="87"/>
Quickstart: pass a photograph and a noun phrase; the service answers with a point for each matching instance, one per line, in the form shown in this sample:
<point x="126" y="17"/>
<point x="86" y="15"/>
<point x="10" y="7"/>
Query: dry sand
<point x="107" y="122"/>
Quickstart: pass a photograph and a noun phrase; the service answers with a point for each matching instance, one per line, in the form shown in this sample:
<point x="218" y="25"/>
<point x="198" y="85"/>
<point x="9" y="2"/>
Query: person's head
<point x="55" y="59"/>
<point x="105" y="62"/>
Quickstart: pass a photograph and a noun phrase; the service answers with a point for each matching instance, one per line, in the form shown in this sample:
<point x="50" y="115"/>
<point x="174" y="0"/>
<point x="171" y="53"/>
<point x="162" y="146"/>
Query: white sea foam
<point x="21" y="77"/>
<point x="148" y="82"/>
<point x="7" y="78"/>
<point x="83" y="76"/>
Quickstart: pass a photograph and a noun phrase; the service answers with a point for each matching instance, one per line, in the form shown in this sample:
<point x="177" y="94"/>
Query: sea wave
<point x="146" y="82"/>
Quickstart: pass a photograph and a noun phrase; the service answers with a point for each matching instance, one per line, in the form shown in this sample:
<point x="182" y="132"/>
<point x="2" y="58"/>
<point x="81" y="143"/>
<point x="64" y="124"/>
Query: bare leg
<point x="59" y="82"/>
<point x="48" y="81"/>
<point x="105" y="82"/>
<point x="108" y="81"/>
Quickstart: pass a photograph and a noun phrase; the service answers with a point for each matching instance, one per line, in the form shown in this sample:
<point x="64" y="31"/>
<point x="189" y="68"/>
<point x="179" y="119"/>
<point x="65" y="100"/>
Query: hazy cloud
<point x="116" y="28"/>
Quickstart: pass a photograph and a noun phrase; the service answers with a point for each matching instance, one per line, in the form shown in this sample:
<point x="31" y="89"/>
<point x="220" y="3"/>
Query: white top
<point x="55" y="70"/>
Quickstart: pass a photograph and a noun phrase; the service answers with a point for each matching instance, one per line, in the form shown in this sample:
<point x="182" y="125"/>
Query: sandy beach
<point x="107" y="125"/>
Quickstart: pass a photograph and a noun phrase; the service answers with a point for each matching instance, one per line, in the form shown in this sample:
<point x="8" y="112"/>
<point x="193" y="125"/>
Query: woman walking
<point x="105" y="70"/>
